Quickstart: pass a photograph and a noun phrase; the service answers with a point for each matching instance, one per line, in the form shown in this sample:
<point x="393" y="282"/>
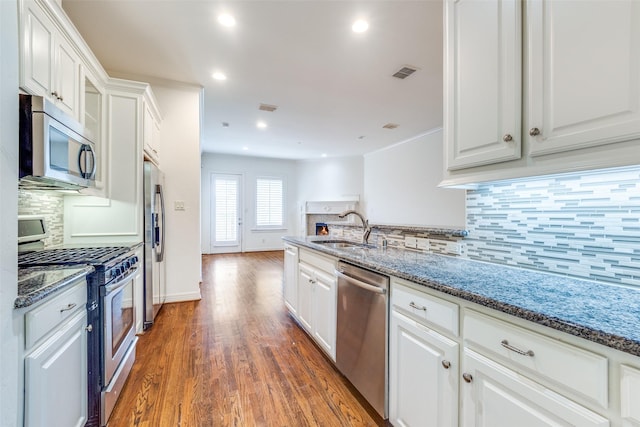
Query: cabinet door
<point x="423" y="375"/>
<point x="629" y="392"/>
<point x="324" y="312"/>
<point x="483" y="81"/>
<point x="305" y="288"/>
<point x="37" y="50"/>
<point x="492" y="395"/>
<point x="290" y="282"/>
<point x="583" y="73"/>
<point x="67" y="81"/>
<point x="56" y="378"/>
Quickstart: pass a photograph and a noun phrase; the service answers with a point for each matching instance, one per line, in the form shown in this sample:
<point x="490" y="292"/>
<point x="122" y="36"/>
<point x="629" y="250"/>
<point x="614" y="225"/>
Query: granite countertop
<point x="607" y="314"/>
<point x="37" y="283"/>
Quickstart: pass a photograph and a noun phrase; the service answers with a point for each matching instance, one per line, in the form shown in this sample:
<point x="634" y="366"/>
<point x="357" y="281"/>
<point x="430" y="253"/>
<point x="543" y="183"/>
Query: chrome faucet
<point x="365" y="224"/>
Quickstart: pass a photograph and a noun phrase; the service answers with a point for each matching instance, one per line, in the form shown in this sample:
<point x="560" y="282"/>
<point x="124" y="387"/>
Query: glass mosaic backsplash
<point x="586" y="226"/>
<point x="48" y="204"/>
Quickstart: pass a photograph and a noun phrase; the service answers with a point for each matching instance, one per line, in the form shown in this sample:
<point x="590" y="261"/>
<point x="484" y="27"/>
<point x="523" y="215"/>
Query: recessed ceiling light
<point x="323" y="155"/>
<point x="245" y="148"/>
<point x="227" y="20"/>
<point x="219" y="76"/>
<point x="360" y="26"/>
<point x="261" y="125"/>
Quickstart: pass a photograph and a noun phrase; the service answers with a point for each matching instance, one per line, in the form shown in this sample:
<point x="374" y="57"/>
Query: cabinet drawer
<point x="425" y="308"/>
<point x="580" y="371"/>
<point x="318" y="261"/>
<point x="46" y="317"/>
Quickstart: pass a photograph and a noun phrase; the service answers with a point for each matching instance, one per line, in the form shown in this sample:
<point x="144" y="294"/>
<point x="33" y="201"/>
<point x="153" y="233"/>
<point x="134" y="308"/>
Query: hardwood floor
<point x="235" y="358"/>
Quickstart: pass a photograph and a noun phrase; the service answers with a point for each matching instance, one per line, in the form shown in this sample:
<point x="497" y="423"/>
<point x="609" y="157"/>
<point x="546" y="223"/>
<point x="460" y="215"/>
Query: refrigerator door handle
<point x="160" y="228"/>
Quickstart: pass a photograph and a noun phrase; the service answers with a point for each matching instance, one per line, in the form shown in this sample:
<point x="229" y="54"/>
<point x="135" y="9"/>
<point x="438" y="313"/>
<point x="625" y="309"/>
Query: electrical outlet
<point x="423" y="244"/>
<point x="410" y="242"/>
<point x="455" y="248"/>
<point x="178" y="205"/>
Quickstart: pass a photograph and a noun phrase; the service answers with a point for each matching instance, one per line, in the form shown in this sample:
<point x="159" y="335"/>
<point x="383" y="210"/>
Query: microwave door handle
<point x="94" y="165"/>
<point x="82" y="156"/>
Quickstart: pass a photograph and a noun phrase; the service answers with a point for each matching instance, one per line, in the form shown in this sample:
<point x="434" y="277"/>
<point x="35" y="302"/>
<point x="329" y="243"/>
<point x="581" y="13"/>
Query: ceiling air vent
<point x="267" y="107"/>
<point x="390" y="126"/>
<point x="405" y="72"/>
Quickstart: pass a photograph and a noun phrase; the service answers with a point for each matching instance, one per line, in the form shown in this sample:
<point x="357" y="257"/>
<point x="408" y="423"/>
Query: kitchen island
<point x="472" y="343"/>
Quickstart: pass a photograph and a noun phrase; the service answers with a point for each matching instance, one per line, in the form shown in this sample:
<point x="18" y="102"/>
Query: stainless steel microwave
<point x="55" y="153"/>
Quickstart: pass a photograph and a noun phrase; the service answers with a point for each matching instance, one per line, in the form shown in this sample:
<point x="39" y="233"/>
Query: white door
<point x="493" y="395"/>
<point x="423" y="375"/>
<point x="226" y="219"/>
<point x="324" y="312"/>
<point x="584" y="74"/>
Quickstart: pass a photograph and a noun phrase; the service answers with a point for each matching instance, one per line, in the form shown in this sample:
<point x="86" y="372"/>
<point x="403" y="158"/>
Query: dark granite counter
<point x="607" y="314"/>
<point x="37" y="283"/>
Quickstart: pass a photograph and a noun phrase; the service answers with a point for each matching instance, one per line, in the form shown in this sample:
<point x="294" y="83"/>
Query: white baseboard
<point x="186" y="296"/>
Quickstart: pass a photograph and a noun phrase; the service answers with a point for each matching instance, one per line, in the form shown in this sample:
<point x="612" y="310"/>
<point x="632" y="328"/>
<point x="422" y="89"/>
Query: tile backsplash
<point x="48" y="204"/>
<point x="585" y="225"/>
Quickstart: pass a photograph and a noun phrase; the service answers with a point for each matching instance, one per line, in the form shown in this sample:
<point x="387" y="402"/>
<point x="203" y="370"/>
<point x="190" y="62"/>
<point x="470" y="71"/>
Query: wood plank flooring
<point x="235" y="358"/>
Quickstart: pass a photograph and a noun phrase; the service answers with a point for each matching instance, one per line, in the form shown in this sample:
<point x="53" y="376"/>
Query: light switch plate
<point x="178" y="205"/>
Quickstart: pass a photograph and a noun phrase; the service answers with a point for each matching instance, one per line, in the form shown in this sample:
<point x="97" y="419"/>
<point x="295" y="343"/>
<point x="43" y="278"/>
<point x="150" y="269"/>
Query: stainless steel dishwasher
<point x="361" y="344"/>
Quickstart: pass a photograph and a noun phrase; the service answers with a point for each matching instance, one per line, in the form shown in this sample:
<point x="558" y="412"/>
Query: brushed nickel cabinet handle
<point x="507" y="138"/>
<point x="68" y="307"/>
<point x="417" y="307"/>
<point x="467" y="377"/>
<point x="534" y="132"/>
<point x="446" y="364"/>
<point x="508" y="346"/>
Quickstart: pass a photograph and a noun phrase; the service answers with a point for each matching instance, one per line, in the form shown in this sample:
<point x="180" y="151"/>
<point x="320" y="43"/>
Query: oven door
<point x="118" y="323"/>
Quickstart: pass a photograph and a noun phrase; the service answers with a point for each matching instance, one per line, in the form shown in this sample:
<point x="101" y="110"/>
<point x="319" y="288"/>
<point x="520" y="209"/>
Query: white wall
<point x="11" y="371"/>
<point x="400" y="185"/>
<point x="180" y="105"/>
<point x="330" y="179"/>
<point x="250" y="168"/>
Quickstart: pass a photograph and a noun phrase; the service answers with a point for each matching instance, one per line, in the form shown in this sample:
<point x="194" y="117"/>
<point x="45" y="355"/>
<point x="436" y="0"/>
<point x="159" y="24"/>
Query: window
<point x="269" y="203"/>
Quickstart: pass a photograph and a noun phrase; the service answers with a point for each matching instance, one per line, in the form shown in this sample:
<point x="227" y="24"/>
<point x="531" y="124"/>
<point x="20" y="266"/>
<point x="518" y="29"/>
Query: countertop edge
<point x="31" y="299"/>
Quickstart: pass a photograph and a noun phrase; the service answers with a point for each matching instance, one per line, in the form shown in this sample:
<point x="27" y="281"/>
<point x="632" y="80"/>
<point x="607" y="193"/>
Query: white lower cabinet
<point x="423" y="375"/>
<point x="290" y="279"/>
<point x="56" y="366"/>
<point x="317" y="299"/>
<point x="494" y="395"/>
<point x="630" y="395"/>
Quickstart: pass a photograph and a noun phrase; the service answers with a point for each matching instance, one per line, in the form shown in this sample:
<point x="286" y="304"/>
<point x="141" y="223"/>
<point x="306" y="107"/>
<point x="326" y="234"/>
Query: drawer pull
<point x="417" y="307"/>
<point x="467" y="377"/>
<point x="446" y="364"/>
<point x="508" y="346"/>
<point x="68" y="307"/>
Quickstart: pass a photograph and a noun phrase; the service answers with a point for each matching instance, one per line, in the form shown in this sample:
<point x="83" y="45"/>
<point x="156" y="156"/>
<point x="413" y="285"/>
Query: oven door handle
<point x="120" y="283"/>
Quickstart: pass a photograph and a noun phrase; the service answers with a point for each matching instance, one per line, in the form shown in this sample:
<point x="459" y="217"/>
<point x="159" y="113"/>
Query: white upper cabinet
<point x="483" y="52"/>
<point x="583" y="74"/>
<point x="50" y="67"/>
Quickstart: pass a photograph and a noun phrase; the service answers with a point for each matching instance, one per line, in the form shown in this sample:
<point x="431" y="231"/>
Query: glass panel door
<point x="226" y="221"/>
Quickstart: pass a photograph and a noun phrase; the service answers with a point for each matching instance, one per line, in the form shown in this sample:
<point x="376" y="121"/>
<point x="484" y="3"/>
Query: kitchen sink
<point x="342" y="244"/>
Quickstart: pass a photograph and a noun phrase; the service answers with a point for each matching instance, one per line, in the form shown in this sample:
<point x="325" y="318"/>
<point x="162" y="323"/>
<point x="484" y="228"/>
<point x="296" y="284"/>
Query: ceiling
<point x="333" y="88"/>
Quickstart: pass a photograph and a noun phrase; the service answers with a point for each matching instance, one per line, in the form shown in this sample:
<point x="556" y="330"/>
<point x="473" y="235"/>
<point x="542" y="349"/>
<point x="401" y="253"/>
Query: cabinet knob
<point x="534" y="132"/>
<point x="60" y="98"/>
<point x="507" y="138"/>
<point x="467" y="377"/>
<point x="89" y="328"/>
<point x="446" y="364"/>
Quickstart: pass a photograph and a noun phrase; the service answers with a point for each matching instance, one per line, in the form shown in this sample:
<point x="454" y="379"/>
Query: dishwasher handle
<point x="360" y="283"/>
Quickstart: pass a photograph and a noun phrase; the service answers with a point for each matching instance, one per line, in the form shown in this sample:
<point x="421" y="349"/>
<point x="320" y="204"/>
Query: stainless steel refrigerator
<point x="154" y="243"/>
